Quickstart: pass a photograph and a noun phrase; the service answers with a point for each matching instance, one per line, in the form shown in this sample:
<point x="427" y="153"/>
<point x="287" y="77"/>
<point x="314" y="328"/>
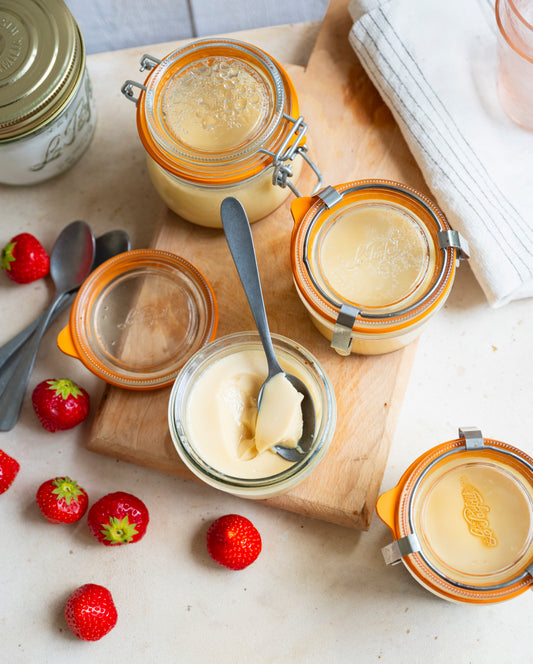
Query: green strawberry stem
<point x="7" y="255"/>
<point x="64" y="388"/>
<point x="119" y="531"/>
<point x="67" y="489"/>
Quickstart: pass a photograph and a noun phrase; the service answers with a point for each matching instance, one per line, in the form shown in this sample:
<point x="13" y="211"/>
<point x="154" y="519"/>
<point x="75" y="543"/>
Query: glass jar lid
<point x="139" y="317"/>
<point x="375" y="247"/>
<point x="463" y="515"/>
<point x="41" y="51"/>
<point x="207" y="111"/>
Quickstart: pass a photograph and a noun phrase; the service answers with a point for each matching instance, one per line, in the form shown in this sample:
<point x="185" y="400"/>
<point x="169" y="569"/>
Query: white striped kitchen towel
<point x="434" y="63"/>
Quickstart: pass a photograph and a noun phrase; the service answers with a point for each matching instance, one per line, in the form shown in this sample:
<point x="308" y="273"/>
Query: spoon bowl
<point x="239" y="238"/>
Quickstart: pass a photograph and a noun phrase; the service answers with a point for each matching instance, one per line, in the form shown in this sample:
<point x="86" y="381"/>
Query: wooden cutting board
<point x="352" y="136"/>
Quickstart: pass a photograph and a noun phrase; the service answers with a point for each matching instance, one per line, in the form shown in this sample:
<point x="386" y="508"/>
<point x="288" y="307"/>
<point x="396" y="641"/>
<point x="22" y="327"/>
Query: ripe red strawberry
<point x="62" y="500"/>
<point x="9" y="469"/>
<point x="233" y="541"/>
<point x="60" y="404"/>
<point x="90" y="612"/>
<point x="24" y="259"/>
<point x="118" y="518"/>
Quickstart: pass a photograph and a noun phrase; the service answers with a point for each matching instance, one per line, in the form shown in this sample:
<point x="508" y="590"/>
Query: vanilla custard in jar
<point x="372" y="261"/>
<point x="219" y="118"/>
<point x="215" y="425"/>
<point x="462" y="519"/>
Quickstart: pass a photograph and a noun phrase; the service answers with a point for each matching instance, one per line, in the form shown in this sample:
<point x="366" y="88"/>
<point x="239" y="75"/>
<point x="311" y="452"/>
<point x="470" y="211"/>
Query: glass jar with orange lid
<point x="462" y="519"/>
<point x="372" y="261"/>
<point x="219" y="118"/>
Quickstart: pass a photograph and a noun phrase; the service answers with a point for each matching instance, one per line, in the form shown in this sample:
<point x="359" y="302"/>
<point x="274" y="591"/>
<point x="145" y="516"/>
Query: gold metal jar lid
<point x="41" y="60"/>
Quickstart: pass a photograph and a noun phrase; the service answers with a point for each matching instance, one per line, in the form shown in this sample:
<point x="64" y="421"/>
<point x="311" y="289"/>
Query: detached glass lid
<point x="139" y="317"/>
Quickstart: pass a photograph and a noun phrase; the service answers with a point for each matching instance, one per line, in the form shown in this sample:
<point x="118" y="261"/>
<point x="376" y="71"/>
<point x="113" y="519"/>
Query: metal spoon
<point x="240" y="241"/>
<point x="106" y="246"/>
<point x="70" y="263"/>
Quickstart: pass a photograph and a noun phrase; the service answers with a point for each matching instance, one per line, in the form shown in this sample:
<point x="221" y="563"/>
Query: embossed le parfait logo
<point x="475" y="513"/>
<point x="80" y="116"/>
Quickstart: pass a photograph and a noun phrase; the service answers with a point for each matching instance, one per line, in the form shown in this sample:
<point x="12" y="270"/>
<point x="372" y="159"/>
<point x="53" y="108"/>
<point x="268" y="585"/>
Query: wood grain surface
<point x="352" y="136"/>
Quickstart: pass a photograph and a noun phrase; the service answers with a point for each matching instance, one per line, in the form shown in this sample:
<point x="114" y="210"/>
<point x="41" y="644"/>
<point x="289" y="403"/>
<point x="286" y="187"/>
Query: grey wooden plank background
<point x="114" y="24"/>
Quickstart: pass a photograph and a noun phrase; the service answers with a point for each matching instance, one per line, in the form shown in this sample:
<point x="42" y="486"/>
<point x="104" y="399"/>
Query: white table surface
<point x="318" y="592"/>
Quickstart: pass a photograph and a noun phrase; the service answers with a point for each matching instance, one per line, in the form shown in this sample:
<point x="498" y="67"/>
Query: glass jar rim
<point x="370" y="320"/>
<point x="521" y="20"/>
<point x="225" y="166"/>
<point x="226" y="345"/>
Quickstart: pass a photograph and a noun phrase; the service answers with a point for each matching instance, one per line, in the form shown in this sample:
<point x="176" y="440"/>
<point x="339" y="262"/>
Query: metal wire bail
<point x="292" y="146"/>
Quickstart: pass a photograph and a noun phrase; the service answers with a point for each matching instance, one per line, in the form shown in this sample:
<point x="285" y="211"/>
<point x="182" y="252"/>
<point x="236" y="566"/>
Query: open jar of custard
<point x="462" y="519"/>
<point x="219" y="118"/>
<point x="223" y="379"/>
<point x="372" y="261"/>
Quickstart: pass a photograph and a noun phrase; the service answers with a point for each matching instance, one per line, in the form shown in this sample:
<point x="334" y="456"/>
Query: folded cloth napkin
<point x="434" y="64"/>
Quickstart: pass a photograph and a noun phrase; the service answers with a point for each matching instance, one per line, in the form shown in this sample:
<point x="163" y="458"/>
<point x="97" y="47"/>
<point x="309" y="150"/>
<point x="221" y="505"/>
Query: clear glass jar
<point x="515" y="59"/>
<point x="462" y="519"/>
<point x="139" y="317"/>
<point x="219" y="118"/>
<point x="372" y="261"/>
<point x="47" y="114"/>
<point x="263" y="476"/>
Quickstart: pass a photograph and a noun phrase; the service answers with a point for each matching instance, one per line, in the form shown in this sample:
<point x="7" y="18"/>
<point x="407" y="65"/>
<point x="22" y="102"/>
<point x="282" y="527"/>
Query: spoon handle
<point x="13" y="345"/>
<point x="239" y="238"/>
<point x="11" y="399"/>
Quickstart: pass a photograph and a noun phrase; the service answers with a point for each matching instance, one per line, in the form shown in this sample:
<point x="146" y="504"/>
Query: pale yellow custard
<point x="279" y="419"/>
<point x="200" y="204"/>
<point x="221" y="416"/>
<point x="376" y="255"/>
<point x="476" y="520"/>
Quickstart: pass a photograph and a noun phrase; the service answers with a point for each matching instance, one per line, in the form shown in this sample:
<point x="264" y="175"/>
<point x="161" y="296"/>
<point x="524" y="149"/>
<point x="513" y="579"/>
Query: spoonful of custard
<point x="286" y="415"/>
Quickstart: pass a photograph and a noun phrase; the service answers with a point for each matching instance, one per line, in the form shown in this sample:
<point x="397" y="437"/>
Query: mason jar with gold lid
<point x="47" y="116"/>
<point x="219" y="118"/>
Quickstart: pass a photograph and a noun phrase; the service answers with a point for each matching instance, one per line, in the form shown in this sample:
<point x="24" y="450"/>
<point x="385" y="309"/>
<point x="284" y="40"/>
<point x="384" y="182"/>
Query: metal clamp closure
<point x="529" y="569"/>
<point x="329" y="196"/>
<point x="473" y="438"/>
<point x="454" y="239"/>
<point x="147" y="62"/>
<point x="127" y="90"/>
<point x="395" y="551"/>
<point x="342" y="332"/>
<point x="292" y="146"/>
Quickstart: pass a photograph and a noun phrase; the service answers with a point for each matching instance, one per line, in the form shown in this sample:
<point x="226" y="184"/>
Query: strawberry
<point x="24" y="259"/>
<point x="60" y="404"/>
<point x="62" y="500"/>
<point x="9" y="469"/>
<point x="118" y="518"/>
<point x="90" y="612"/>
<point x="233" y="541"/>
